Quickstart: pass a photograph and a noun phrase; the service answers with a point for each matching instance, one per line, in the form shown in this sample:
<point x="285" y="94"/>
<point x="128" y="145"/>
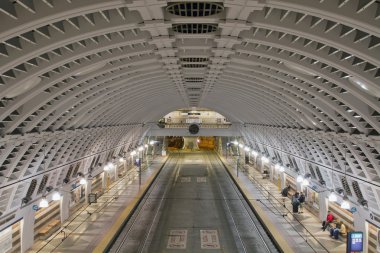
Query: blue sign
<point x="35" y="207"/>
<point x="355" y="242"/>
<point x="353" y="209"/>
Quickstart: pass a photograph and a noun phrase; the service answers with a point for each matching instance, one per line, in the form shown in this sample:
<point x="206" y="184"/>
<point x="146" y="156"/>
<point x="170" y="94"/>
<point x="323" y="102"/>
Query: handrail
<point x="294" y="217"/>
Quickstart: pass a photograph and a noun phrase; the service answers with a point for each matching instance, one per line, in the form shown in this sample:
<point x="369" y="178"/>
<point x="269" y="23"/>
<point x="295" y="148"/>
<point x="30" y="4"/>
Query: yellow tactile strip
<point x="127" y="212"/>
<point x="280" y="241"/>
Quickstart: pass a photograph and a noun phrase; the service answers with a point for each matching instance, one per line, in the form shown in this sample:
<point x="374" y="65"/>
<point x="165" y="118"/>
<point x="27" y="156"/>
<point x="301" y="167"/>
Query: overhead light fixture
<point x="90" y="68"/>
<point x="345" y="204"/>
<point x="366" y="87"/>
<point x="299" y="179"/>
<point x="332" y="197"/>
<point x="23" y="87"/>
<point x="299" y="69"/>
<point x="43" y="203"/>
<point x="56" y="196"/>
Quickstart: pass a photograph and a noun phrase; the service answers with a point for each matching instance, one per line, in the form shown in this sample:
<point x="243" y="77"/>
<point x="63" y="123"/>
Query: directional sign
<point x="35" y="207"/>
<point x="353" y="209"/>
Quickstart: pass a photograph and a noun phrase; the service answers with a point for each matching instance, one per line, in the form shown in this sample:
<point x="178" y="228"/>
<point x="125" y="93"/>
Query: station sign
<point x="35" y="207"/>
<point x="355" y="242"/>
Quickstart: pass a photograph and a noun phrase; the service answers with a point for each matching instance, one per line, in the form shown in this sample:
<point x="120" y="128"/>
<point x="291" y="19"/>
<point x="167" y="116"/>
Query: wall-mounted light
<point x="332" y="197"/>
<point x="56" y="196"/>
<point x="43" y="203"/>
<point x="82" y="181"/>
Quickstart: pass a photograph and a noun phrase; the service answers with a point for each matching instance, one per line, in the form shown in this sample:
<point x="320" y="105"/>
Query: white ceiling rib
<point x="240" y="58"/>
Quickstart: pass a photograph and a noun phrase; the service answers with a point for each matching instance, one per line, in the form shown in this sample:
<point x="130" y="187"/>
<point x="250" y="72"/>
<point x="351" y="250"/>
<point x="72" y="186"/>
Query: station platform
<point x="302" y="231"/>
<point x="88" y="225"/>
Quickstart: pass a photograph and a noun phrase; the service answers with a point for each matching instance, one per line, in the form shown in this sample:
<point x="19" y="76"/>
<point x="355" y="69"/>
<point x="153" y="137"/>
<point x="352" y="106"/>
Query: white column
<point x="65" y="204"/>
<point x="27" y="228"/>
<point x="323" y="205"/>
<point x="88" y="187"/>
<point x="283" y="179"/>
<point x="361" y="225"/>
<point x="271" y="173"/>
<point x="261" y="166"/>
<point x="104" y="181"/>
<point x="116" y="171"/>
<point x="298" y="185"/>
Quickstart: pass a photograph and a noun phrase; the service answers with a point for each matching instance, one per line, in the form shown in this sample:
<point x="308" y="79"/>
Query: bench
<point x="49" y="229"/>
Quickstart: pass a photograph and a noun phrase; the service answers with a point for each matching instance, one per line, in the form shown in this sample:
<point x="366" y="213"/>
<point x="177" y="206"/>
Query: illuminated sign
<point x="355" y="242"/>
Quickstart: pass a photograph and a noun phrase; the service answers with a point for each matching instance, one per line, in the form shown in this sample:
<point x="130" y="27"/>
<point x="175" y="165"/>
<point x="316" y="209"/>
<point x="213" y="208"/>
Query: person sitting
<point x="343" y="229"/>
<point x="329" y="219"/>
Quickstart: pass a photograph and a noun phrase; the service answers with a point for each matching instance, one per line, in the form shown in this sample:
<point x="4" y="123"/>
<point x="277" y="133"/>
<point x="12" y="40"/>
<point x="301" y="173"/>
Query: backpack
<point x="284" y="192"/>
<point x="301" y="199"/>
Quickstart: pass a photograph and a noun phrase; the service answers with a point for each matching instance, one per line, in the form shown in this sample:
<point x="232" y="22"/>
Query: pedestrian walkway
<point x="303" y="231"/>
<point x="86" y="227"/>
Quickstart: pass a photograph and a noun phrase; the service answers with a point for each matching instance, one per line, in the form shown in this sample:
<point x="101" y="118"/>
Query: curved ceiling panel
<point x="103" y="69"/>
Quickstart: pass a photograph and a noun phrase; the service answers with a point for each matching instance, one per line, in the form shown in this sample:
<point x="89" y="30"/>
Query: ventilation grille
<point x="193" y="66"/>
<point x="346" y="187"/>
<point x="42" y="184"/>
<point x="195" y="9"/>
<point x="194" y="28"/>
<point x="32" y="187"/>
<point x="193" y="89"/>
<point x="194" y="59"/>
<point x="357" y="190"/>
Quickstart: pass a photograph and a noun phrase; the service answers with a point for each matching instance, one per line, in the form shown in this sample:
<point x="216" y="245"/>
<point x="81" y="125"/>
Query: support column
<point x="261" y="166"/>
<point x="298" y="186"/>
<point x="104" y="181"/>
<point x="361" y="225"/>
<point x="27" y="228"/>
<point x="116" y="172"/>
<point x="271" y="173"/>
<point x="88" y="187"/>
<point x="283" y="180"/>
<point x="65" y="204"/>
<point x="323" y="198"/>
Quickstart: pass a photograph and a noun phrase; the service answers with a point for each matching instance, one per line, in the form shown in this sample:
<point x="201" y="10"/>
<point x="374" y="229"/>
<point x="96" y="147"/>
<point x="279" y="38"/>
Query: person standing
<point x="285" y="191"/>
<point x="301" y="199"/>
<point x="295" y="202"/>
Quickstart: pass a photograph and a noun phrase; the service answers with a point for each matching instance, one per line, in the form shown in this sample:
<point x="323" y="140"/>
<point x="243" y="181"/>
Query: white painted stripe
<point x="209" y="239"/>
<point x="177" y="239"/>
<point x="201" y="179"/>
<point x="185" y="179"/>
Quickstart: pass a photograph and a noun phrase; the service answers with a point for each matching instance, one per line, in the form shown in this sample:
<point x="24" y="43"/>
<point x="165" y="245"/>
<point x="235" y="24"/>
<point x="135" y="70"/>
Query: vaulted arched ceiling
<point x="80" y="77"/>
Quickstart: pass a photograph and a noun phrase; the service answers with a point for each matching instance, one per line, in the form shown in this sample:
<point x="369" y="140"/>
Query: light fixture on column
<point x="82" y="181"/>
<point x="56" y="196"/>
<point x="235" y="143"/>
<point x="299" y="179"/>
<point x="246" y="149"/>
<point x="277" y="166"/>
<point x="305" y="182"/>
<point x="332" y="197"/>
<point x="254" y="153"/>
<point x="241" y="145"/>
<point x="110" y="165"/>
<point x="121" y="159"/>
<point x="141" y="148"/>
<point x="152" y="142"/>
<point x="281" y="169"/>
<point x="264" y="159"/>
<point x="43" y="203"/>
<point x="106" y="168"/>
<point x="133" y="153"/>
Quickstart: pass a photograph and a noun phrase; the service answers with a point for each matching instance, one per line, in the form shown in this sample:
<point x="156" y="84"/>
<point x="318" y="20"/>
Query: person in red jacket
<point x="329" y="219"/>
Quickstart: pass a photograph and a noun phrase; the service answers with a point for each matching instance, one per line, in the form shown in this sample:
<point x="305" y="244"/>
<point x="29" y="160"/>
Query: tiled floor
<point x="302" y="230"/>
<point x="86" y="227"/>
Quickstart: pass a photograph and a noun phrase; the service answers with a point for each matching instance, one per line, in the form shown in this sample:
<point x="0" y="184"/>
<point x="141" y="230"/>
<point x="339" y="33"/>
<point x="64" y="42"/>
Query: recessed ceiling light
<point x="299" y="69"/>
<point x="371" y="89"/>
<point x="23" y="87"/>
<point x="90" y="68"/>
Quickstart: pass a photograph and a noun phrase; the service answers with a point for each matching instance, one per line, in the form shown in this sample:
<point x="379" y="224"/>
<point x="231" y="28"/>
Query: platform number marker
<point x="209" y="239"/>
<point x="201" y="179"/>
<point x="177" y="239"/>
<point x="185" y="179"/>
